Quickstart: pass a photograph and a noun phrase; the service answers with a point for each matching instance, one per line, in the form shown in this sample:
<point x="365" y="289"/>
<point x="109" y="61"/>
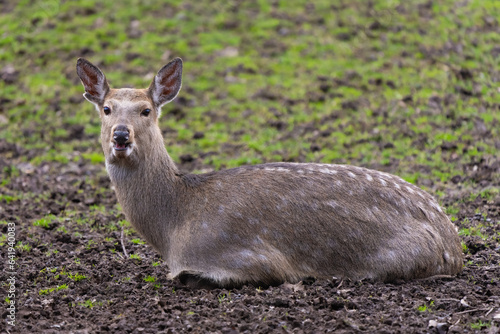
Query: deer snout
<point x="121" y="136"/>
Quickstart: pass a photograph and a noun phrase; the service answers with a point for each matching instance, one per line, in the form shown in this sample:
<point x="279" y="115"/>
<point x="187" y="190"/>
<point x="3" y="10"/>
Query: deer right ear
<point x="94" y="81"/>
<point x="166" y="84"/>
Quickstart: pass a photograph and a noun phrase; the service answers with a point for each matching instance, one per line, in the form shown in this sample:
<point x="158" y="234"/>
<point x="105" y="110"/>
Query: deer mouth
<point x="121" y="146"/>
<point x="121" y="150"/>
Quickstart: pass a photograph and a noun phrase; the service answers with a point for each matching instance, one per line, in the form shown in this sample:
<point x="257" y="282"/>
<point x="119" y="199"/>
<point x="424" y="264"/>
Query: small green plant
<point x="150" y="279"/>
<point x="157" y="263"/>
<point x="45" y="291"/>
<point x="138" y="241"/>
<point x="88" y="303"/>
<point x="426" y="308"/>
<point x="7" y="198"/>
<point x="465" y="249"/>
<point x="51" y="251"/>
<point x="76" y="277"/>
<point x="23" y="247"/>
<point x="90" y="244"/>
<point x="480" y="325"/>
<point x="135" y="256"/>
<point x="422" y="308"/>
<point x="62" y="229"/>
<point x="223" y="297"/>
<point x="471" y="231"/>
<point x="452" y="210"/>
<point x="49" y="290"/>
<point x="45" y="222"/>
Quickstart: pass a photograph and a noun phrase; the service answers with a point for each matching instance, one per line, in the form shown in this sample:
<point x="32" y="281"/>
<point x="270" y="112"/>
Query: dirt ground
<point x="116" y="296"/>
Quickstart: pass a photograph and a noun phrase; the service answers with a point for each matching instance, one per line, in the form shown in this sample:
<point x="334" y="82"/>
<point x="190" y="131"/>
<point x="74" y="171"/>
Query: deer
<point x="265" y="224"/>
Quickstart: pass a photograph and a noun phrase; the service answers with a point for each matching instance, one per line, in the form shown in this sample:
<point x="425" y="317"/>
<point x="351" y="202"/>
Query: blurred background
<point x="406" y="87"/>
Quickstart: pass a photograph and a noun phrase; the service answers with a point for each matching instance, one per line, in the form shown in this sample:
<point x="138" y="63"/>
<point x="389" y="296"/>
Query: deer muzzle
<point x="121" y="138"/>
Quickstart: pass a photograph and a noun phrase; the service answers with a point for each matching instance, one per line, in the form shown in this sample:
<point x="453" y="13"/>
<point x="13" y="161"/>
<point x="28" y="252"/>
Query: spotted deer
<point x="264" y="224"/>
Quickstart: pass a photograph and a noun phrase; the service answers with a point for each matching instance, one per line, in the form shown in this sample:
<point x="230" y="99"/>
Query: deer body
<point x="263" y="224"/>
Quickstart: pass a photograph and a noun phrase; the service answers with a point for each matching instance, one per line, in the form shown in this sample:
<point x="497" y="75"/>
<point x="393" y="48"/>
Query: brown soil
<point x="116" y="296"/>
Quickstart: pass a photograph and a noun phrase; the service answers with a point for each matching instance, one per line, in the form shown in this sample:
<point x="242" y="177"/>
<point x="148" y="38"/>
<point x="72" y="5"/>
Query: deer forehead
<point x="126" y="105"/>
<point x="128" y="99"/>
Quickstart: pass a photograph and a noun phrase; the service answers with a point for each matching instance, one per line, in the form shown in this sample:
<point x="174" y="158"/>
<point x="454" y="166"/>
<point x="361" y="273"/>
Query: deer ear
<point x="94" y="81"/>
<point x="166" y="84"/>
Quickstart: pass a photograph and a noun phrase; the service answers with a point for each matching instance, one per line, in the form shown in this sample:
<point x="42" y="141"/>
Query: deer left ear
<point x="166" y="84"/>
<point x="94" y="81"/>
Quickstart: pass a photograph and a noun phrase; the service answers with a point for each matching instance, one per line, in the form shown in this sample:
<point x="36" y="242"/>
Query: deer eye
<point x="107" y="110"/>
<point x="145" y="112"/>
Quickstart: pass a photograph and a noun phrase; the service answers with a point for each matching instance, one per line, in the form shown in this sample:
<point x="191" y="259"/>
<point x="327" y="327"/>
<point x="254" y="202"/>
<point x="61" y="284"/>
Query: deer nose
<point x="121" y="134"/>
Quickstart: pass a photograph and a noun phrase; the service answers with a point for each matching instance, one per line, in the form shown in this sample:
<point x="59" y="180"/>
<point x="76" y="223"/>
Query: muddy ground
<point x="106" y="292"/>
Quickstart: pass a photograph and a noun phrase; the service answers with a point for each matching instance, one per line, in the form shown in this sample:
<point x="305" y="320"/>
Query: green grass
<point x="403" y="61"/>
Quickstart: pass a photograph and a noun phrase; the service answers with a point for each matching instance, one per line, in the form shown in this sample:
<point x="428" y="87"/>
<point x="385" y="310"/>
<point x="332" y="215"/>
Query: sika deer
<point x="263" y="224"/>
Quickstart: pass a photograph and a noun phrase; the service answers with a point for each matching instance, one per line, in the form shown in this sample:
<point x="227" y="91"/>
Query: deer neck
<point x="146" y="189"/>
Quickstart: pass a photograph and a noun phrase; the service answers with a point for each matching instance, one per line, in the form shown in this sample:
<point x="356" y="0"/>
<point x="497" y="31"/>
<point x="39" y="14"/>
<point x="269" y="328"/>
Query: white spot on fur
<point x="369" y="177"/>
<point x="253" y="221"/>
<point x="327" y="171"/>
<point x="258" y="241"/>
<point x="351" y="174"/>
<point x="332" y="203"/>
<point x="339" y="183"/>
<point x="427" y="227"/>
<point x="262" y="257"/>
<point x="411" y="191"/>
<point x="387" y="255"/>
<point x="247" y="253"/>
<point x="446" y="256"/>
<point x="300" y="171"/>
<point x="397" y="186"/>
<point x="382" y="182"/>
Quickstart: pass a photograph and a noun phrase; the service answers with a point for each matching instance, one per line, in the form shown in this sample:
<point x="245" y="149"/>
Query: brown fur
<point x="270" y="223"/>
